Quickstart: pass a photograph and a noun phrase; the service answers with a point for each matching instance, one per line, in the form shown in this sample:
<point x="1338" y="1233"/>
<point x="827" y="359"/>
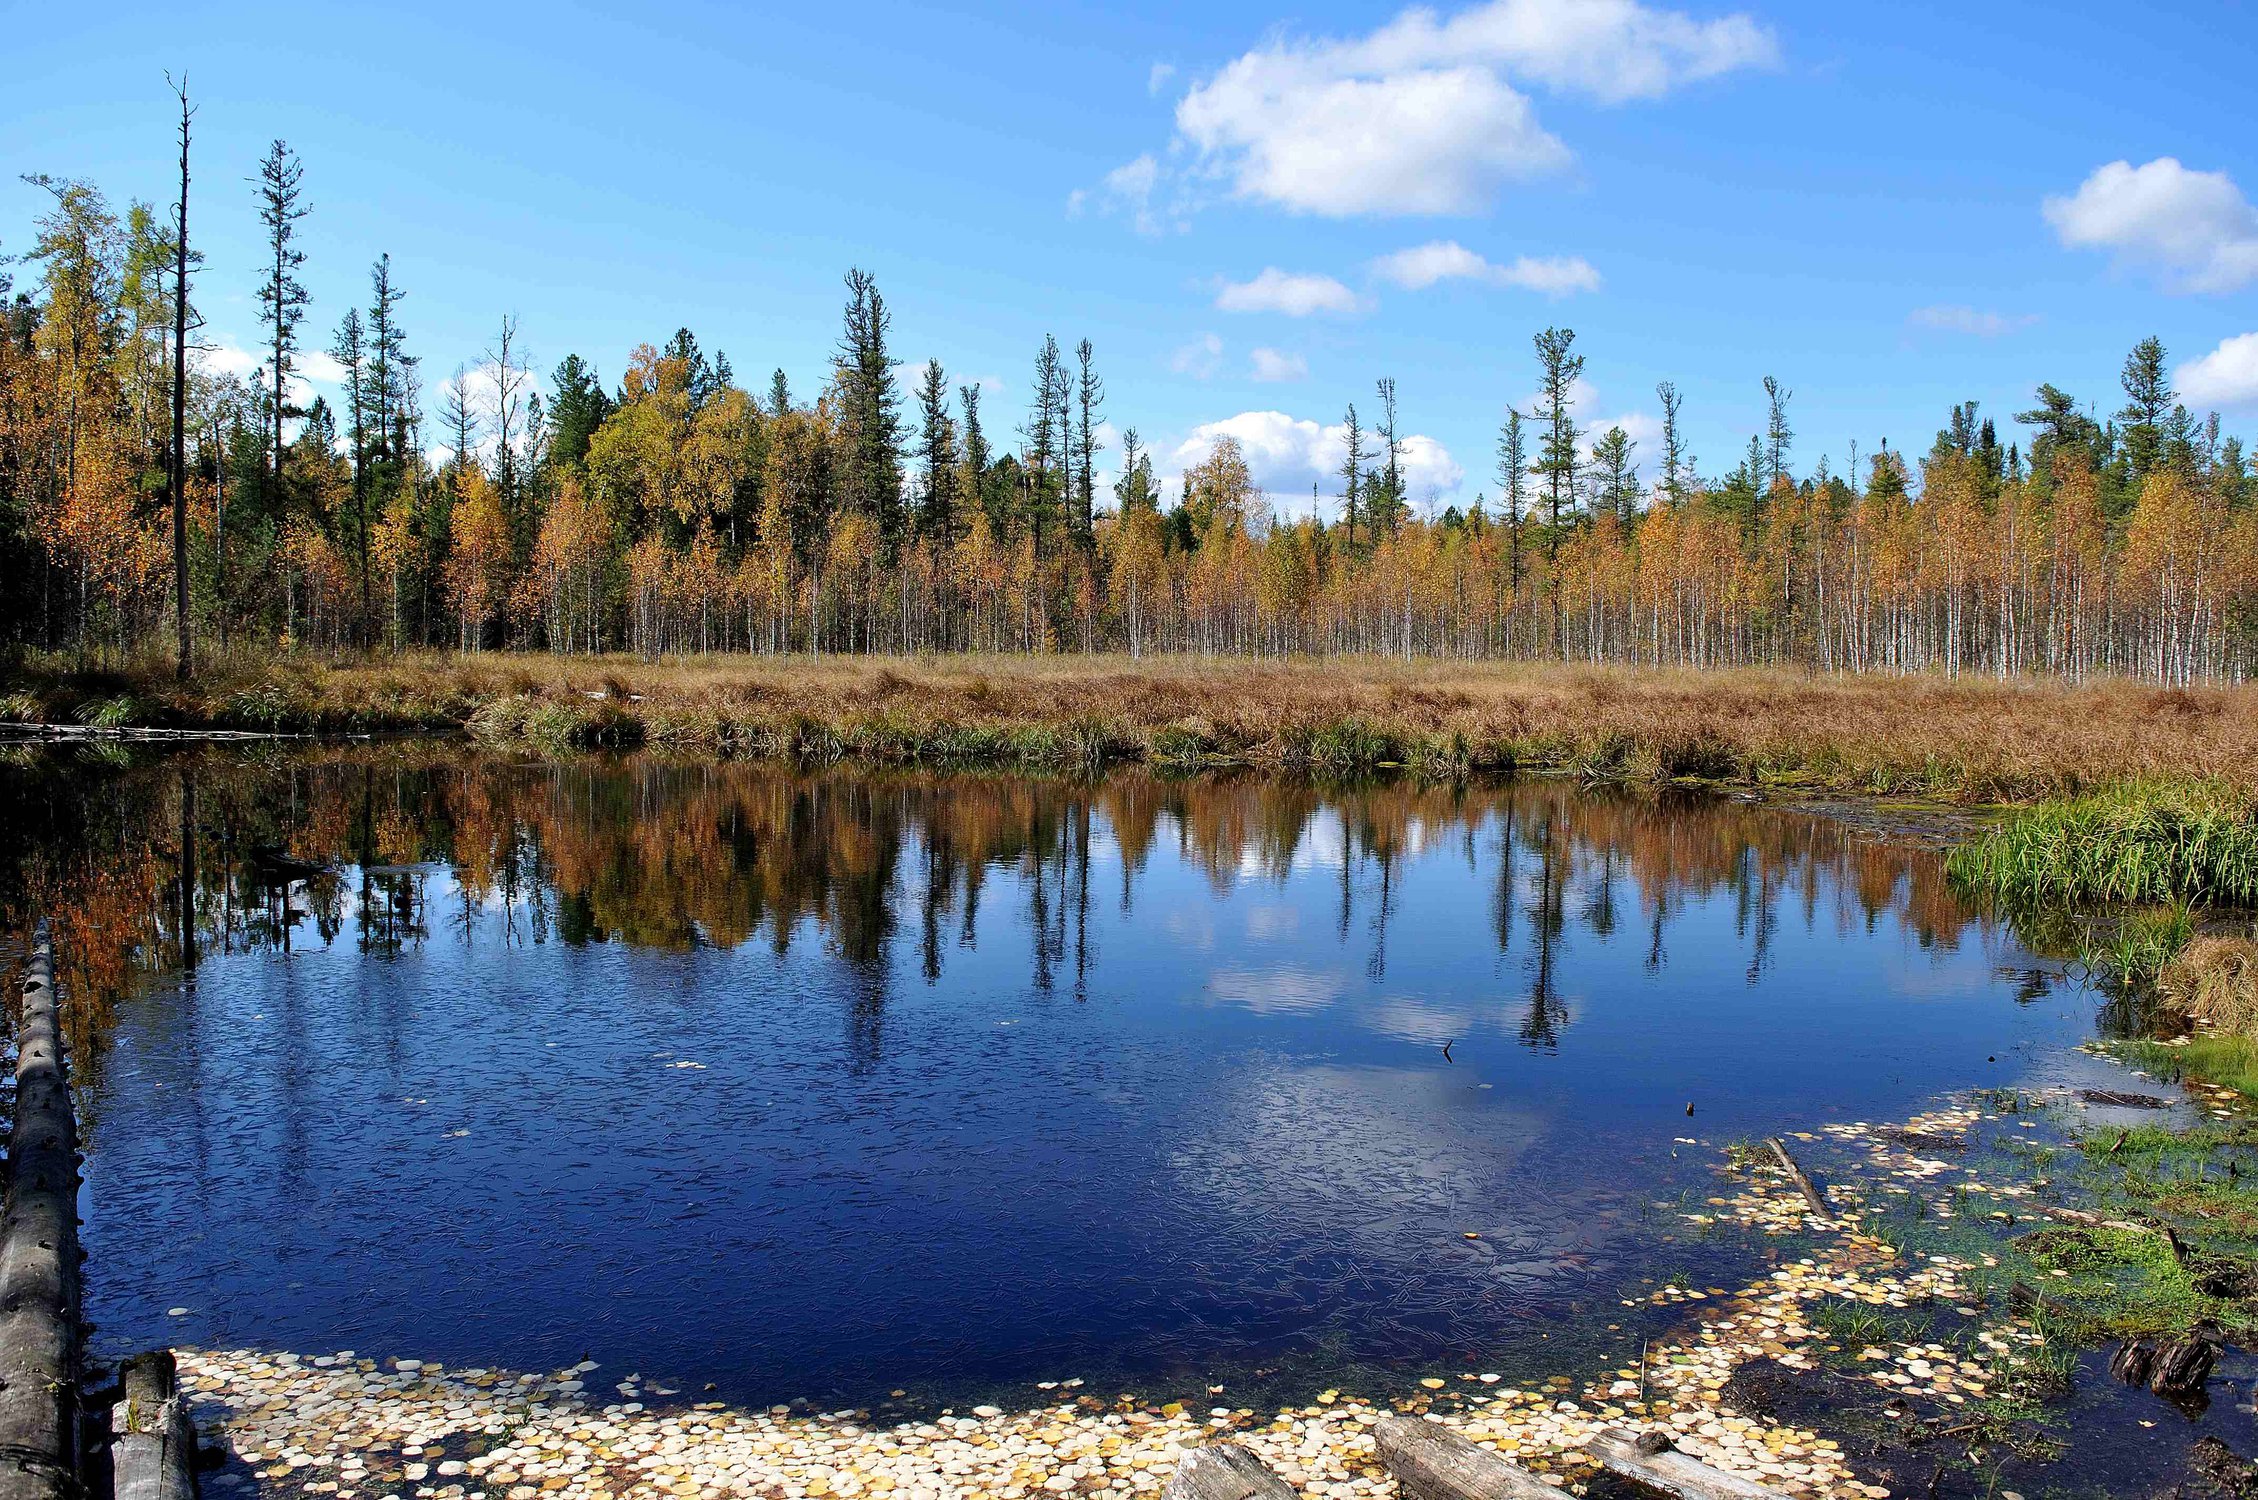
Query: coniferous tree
<point x="577" y="407"/>
<point x="1618" y="476"/>
<point x="2149" y="398"/>
<point x="350" y="350"/>
<point x="1512" y="478"/>
<point x="1136" y="491"/>
<point x="1043" y="426"/>
<point x="282" y="298"/>
<point x="1779" y="437"/>
<point x="1560" y="368"/>
<point x="870" y="415"/>
<point x="1388" y="512"/>
<point x="1352" y="474"/>
<point x="1089" y="395"/>
<point x="937" y="446"/>
<point x="1675" y="463"/>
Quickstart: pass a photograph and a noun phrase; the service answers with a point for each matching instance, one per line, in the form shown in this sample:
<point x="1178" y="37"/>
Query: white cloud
<point x="1422" y="266"/>
<point x="2227" y="376"/>
<point x="1271" y="365"/>
<point x="1130" y="189"/>
<point x="1288" y="454"/>
<point x="1297" y="295"/>
<point x="1158" y="78"/>
<point x="1952" y="317"/>
<point x="2194" y="228"/>
<point x="1423" y="116"/>
<point x="1200" y="358"/>
<point x="1425" y="141"/>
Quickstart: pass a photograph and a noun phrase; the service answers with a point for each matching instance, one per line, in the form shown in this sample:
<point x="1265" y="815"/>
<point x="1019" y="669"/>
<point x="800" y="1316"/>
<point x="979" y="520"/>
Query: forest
<point x="151" y="502"/>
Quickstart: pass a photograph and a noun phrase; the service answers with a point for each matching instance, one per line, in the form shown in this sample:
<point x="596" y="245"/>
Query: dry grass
<point x="1968" y="738"/>
<point x="2216" y="980"/>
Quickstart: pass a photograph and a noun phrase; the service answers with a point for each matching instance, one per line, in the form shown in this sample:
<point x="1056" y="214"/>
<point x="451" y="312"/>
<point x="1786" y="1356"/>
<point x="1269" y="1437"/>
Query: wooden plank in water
<point x="1224" y="1471"/>
<point x="1671" y="1472"/>
<point x="153" y="1455"/>
<point x="1431" y="1462"/>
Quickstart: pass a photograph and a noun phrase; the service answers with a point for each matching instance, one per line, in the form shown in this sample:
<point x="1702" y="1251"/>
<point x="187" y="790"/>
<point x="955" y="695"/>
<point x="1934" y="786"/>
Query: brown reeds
<point x="1965" y="737"/>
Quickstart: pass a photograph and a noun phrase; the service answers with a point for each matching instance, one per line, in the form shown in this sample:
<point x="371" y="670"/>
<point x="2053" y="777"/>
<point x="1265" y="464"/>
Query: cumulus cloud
<point x="1422" y="266"/>
<point x="1296" y="294"/>
<point x="2227" y="376"/>
<point x="1952" y="317"/>
<point x="1424" y="115"/>
<point x="1158" y="78"/>
<point x="2196" y="230"/>
<point x="1272" y="365"/>
<point x="1288" y="454"/>
<point x="1200" y="358"/>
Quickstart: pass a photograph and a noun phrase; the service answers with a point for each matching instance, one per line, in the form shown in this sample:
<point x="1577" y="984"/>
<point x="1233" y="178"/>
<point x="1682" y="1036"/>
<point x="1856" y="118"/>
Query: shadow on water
<point x="824" y="1082"/>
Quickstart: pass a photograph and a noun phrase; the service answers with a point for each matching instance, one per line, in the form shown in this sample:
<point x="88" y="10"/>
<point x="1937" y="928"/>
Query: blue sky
<point x="1853" y="198"/>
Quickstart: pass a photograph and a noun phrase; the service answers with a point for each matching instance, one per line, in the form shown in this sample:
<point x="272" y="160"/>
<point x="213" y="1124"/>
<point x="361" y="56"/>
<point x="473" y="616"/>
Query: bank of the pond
<point x="1897" y="1346"/>
<point x="1965" y="738"/>
<point x="2151" y="886"/>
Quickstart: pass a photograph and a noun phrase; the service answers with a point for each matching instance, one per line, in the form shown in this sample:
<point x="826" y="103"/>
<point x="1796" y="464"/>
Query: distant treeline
<point x="681" y="511"/>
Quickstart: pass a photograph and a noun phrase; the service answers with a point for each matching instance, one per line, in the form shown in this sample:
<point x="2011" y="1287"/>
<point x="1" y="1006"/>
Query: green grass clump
<point x="2228" y="1061"/>
<point x="2136" y="844"/>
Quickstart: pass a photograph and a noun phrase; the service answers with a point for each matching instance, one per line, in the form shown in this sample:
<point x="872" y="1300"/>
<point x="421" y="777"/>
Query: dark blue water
<point x="821" y="1085"/>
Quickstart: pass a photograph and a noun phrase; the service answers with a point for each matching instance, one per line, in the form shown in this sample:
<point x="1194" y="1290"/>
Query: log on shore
<point x="1431" y="1462"/>
<point x="1672" y="1473"/>
<point x="1223" y="1471"/>
<point x="40" y="1328"/>
<point x="153" y="1454"/>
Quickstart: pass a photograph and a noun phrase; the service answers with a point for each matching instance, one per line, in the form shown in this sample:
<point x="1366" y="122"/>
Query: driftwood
<point x="1803" y="1183"/>
<point x="1635" y="1458"/>
<point x="2119" y="1099"/>
<point x="1431" y="1462"/>
<point x="2181" y="1368"/>
<point x="1222" y="1471"/>
<point x="153" y="1454"/>
<point x="39" y="1258"/>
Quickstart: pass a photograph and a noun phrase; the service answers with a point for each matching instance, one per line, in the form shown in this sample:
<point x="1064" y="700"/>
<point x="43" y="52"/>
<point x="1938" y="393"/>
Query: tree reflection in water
<point x="144" y="864"/>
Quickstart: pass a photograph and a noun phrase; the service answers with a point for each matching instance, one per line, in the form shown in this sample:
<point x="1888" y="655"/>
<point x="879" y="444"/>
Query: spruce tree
<point x="1513" y="481"/>
<point x="1089" y="395"/>
<point x="282" y="298"/>
<point x="871" y="412"/>
<point x="1674" y="460"/>
<point x="2148" y="402"/>
<point x="937" y="445"/>
<point x="1557" y="454"/>
<point x="1352" y="473"/>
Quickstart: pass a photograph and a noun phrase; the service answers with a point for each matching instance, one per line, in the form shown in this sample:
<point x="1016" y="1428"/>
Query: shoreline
<point x="362" y="1429"/>
<point x="1961" y="739"/>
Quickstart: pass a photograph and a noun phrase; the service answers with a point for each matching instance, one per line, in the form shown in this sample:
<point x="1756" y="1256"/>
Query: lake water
<point x="823" y="1084"/>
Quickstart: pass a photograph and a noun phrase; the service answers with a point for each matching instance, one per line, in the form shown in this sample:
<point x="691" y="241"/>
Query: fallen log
<point x="1222" y="1471"/>
<point x="153" y="1454"/>
<point x="1431" y="1462"/>
<point x="39" y="1258"/>
<point x="1634" y="1457"/>
<point x="1803" y="1183"/>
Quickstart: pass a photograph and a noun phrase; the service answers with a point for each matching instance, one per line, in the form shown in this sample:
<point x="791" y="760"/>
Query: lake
<point x="784" y="1083"/>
